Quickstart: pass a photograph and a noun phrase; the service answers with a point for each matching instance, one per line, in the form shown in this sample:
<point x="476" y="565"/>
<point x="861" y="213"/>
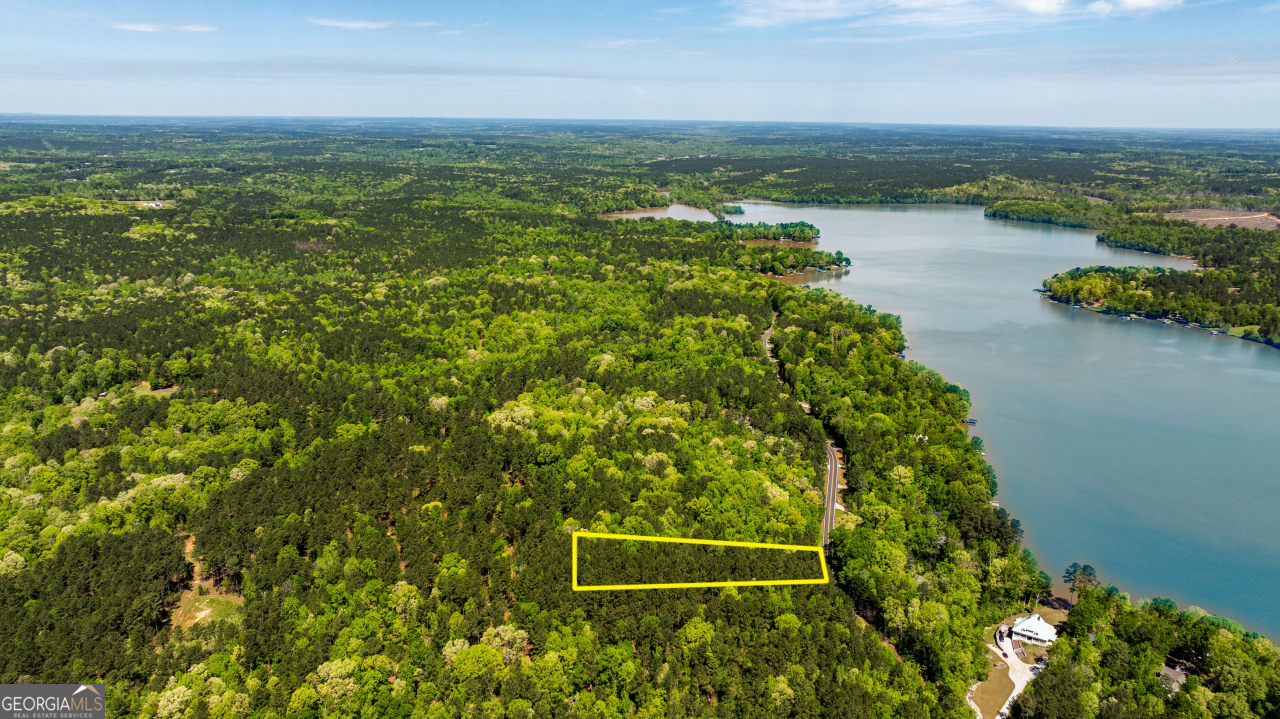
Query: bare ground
<point x="203" y="601"/>
<point x="1222" y="218"/>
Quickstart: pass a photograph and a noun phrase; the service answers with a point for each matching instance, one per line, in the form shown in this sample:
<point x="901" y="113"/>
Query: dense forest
<point x="700" y="164"/>
<point x="308" y="438"/>
<point x="298" y="421"/>
<point x="1076" y="181"/>
<point x="1066" y="211"/>
<point x="1238" y="288"/>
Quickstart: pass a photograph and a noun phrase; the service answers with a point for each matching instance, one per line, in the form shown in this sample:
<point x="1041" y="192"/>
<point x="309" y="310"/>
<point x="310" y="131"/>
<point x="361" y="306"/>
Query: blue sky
<point x="1115" y="63"/>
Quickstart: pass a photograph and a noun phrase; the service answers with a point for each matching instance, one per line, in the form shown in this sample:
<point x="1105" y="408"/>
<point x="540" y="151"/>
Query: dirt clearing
<point x="1222" y="218"/>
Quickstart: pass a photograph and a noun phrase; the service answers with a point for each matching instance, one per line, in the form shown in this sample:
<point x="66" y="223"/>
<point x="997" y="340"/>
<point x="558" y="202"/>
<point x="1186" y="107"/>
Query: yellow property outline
<point x="694" y="585"/>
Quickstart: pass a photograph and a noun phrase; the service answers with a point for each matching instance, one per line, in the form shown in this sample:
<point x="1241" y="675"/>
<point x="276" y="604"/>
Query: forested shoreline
<point x="1067" y="212"/>
<point x="310" y="438"/>
<point x="1235" y="290"/>
<point x="1115" y="659"/>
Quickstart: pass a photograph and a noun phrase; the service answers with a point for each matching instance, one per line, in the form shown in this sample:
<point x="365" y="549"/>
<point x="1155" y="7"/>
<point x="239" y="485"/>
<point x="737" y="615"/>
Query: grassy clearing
<point x="195" y="608"/>
<point x="144" y="388"/>
<point x="1051" y="615"/>
<point x="202" y="602"/>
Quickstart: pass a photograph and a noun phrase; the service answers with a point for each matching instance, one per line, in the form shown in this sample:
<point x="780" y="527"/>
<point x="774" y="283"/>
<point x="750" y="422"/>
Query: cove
<point x="1144" y="449"/>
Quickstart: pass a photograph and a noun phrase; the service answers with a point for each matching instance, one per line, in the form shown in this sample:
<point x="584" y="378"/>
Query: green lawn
<point x="991" y="694"/>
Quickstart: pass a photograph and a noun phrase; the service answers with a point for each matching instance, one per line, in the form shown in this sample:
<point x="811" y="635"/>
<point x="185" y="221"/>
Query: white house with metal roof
<point x="1034" y="629"/>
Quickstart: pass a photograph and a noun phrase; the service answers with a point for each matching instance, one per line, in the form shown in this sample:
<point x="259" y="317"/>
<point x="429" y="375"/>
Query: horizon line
<point x="65" y="117"/>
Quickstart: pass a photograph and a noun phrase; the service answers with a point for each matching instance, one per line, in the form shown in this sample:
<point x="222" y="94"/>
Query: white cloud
<point x="426" y="23"/>
<point x="764" y="13"/>
<point x="617" y="43"/>
<point x="196" y="27"/>
<point x="772" y="13"/>
<point x="137" y="26"/>
<point x="1041" y="7"/>
<point x="675" y="10"/>
<point x="479" y="24"/>
<point x="350" y="24"/>
<point x="1149" y="4"/>
<point x="450" y="32"/>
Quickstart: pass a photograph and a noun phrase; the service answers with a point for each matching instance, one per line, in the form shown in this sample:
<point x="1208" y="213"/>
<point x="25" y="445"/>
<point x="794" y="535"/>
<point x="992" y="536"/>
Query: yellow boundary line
<point x="695" y="585"/>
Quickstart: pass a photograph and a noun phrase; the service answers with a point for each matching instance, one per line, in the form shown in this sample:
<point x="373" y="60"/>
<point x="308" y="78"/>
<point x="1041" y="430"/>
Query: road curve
<point x="833" y="493"/>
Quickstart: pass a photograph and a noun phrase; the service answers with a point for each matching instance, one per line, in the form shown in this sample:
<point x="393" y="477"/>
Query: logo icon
<point x="53" y="701"/>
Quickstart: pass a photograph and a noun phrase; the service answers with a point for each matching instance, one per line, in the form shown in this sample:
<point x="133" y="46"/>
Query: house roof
<point x="1035" y="626"/>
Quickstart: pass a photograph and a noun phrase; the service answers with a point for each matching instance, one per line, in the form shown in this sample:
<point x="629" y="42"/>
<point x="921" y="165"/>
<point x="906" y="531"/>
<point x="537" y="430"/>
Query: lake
<point x="1146" y="450"/>
<point x="674" y="211"/>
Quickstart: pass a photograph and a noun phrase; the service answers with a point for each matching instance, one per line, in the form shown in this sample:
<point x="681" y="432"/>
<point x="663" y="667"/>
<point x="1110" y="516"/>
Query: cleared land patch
<point x="194" y="608"/>
<point x="144" y="388"/>
<point x="1222" y="218"/>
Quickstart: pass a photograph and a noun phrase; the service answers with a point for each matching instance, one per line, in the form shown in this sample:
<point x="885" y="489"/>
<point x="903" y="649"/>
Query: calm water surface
<point x="675" y="211"/>
<point x="1144" y="449"/>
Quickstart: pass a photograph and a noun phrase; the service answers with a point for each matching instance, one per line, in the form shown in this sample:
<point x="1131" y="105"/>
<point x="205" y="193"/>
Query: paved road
<point x="833" y="461"/>
<point x="833" y="492"/>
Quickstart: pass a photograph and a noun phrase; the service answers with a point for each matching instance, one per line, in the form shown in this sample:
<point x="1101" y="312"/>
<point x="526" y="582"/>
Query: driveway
<point x="1019" y="671"/>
